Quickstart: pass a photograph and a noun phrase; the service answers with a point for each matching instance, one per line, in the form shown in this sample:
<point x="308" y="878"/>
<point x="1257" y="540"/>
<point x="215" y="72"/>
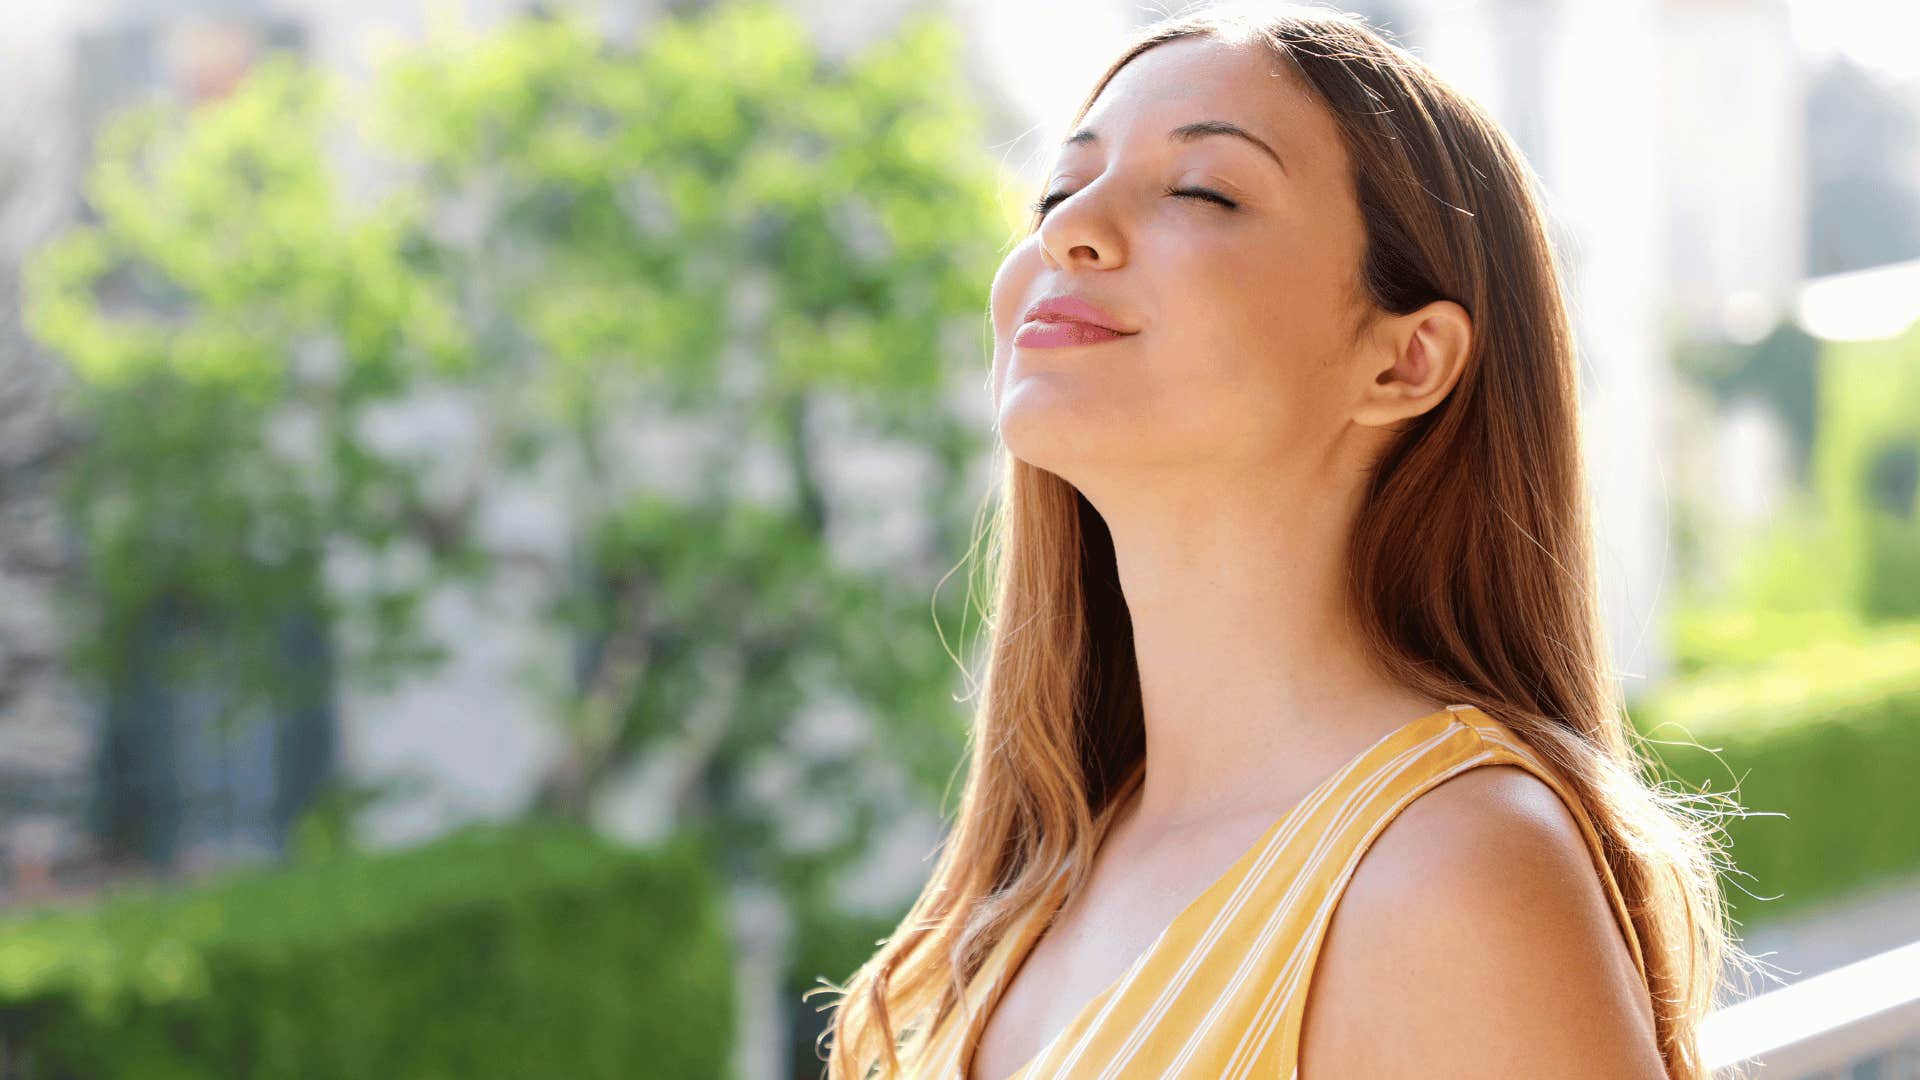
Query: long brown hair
<point x="1471" y="565"/>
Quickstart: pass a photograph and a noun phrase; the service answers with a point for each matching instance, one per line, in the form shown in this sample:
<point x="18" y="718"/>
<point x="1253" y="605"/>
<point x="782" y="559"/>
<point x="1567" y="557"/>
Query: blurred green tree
<point x="680" y="284"/>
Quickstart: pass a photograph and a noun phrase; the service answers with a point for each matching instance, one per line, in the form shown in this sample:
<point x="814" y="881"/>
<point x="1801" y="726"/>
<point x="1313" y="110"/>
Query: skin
<point x="1226" y="445"/>
<point x="1478" y="911"/>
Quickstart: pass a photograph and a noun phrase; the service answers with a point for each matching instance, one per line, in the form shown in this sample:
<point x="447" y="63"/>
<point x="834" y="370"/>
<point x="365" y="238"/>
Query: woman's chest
<point x="1074" y="960"/>
<point x="1076" y="963"/>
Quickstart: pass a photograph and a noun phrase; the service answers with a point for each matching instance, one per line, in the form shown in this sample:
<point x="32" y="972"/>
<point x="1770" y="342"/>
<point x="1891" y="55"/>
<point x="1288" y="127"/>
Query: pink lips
<point x="1066" y="320"/>
<point x="1045" y="334"/>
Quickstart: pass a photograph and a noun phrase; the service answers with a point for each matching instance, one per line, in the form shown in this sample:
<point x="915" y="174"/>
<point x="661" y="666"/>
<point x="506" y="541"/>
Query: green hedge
<point x="1827" y="735"/>
<point x="524" y="951"/>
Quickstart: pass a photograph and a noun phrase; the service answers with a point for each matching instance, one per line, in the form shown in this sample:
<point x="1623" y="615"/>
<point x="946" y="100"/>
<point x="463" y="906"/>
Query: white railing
<point x="1861" y="1020"/>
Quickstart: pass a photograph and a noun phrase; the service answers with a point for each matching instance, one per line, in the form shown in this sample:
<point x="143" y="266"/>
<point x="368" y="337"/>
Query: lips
<point x="1046" y="334"/>
<point x="1068" y="320"/>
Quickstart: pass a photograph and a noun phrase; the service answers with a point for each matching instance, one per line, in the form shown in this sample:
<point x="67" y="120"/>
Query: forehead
<point x="1204" y="78"/>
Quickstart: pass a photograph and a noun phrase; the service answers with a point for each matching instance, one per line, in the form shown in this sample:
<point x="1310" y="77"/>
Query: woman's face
<point x="1239" y="315"/>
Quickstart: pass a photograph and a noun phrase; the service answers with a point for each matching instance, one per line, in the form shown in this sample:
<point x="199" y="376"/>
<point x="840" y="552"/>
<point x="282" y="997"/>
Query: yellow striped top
<point x="1221" y="992"/>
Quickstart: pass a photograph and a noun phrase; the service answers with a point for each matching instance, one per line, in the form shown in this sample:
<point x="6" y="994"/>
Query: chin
<point x="1048" y="434"/>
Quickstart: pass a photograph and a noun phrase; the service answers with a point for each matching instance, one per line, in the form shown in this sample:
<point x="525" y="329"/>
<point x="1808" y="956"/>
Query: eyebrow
<point x="1199" y="129"/>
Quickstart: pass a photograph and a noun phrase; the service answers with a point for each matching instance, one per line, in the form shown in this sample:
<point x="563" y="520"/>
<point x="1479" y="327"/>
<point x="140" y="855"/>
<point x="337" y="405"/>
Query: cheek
<point x="1250" y="365"/>
<point x="1012" y="285"/>
<point x="1277" y="291"/>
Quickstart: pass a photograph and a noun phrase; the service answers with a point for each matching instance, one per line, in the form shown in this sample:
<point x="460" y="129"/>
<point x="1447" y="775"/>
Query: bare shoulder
<point x="1476" y="939"/>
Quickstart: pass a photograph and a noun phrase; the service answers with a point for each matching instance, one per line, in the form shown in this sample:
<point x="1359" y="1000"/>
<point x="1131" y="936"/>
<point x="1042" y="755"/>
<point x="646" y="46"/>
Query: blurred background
<point x="486" y="487"/>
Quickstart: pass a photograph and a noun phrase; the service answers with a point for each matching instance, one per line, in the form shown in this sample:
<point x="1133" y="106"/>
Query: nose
<point x="1081" y="230"/>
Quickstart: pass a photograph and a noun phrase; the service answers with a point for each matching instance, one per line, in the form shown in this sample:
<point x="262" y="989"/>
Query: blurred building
<point x="1736" y="165"/>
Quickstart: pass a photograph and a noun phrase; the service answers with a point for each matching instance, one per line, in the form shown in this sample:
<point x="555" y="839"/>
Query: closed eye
<point x="1205" y="193"/>
<point x="1049" y="201"/>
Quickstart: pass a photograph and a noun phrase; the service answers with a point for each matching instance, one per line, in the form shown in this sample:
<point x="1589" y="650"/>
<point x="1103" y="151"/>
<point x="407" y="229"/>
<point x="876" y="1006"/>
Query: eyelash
<point x="1047" y="202"/>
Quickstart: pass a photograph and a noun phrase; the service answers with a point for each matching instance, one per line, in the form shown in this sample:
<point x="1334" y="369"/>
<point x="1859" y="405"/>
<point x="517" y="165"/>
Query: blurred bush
<point x="1819" y="740"/>
<point x="527" y="951"/>
<point x="1800" y="679"/>
<point x="1724" y="639"/>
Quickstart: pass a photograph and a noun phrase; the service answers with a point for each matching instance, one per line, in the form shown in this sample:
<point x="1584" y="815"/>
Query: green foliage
<point x="1802" y="684"/>
<point x="1722" y="639"/>
<point x="711" y="230"/>
<point x="222" y="266"/>
<point x="527" y="951"/>
<point x="676" y="282"/>
<point x="1867" y="464"/>
<point x="628" y="194"/>
<point x="1849" y="539"/>
<point x="830" y="945"/>
<point x="717" y="225"/>
<point x="1794" y="568"/>
<point x="1819" y="742"/>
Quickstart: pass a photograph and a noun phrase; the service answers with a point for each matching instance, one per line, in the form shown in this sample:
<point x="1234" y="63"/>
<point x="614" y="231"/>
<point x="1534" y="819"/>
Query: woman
<point x="1294" y="533"/>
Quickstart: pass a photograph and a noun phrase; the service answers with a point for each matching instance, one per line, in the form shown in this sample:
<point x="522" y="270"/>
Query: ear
<point x="1413" y="363"/>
